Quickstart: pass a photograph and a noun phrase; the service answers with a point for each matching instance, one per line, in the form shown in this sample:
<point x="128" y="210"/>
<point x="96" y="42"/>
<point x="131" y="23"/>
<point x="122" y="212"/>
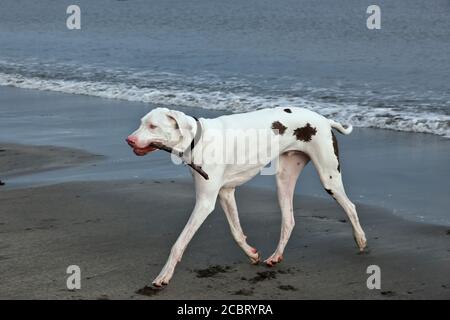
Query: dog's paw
<point x="361" y="241"/>
<point x="255" y="258"/>
<point x="161" y="281"/>
<point x="159" y="284"/>
<point x="273" y="260"/>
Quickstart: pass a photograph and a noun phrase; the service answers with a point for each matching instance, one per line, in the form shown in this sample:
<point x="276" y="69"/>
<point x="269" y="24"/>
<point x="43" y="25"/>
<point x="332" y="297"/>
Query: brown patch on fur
<point x="278" y="127"/>
<point x="305" y="133"/>
<point x="336" y="150"/>
<point x="287" y="110"/>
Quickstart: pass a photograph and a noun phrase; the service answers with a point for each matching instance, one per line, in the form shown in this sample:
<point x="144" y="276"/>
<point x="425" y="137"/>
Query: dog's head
<point x="161" y="126"/>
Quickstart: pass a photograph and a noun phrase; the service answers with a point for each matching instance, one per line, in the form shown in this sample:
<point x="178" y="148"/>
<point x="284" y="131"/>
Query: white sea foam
<point x="209" y="97"/>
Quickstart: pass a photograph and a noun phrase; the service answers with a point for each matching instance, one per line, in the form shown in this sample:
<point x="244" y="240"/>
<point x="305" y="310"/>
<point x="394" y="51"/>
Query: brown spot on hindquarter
<point x="287" y="110"/>
<point x="278" y="127"/>
<point x="336" y="150"/>
<point x="305" y="133"/>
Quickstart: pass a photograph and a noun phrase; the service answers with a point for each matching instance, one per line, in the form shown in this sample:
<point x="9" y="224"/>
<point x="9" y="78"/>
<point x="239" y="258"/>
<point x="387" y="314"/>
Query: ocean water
<point x="241" y="55"/>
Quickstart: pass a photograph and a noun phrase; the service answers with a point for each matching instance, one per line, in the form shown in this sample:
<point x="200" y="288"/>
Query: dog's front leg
<point x="204" y="205"/>
<point x="228" y="203"/>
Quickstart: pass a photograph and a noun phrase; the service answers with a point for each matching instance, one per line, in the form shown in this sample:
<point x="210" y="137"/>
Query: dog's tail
<point x="339" y="127"/>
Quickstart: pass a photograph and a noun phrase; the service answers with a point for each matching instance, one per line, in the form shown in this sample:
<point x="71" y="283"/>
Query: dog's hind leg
<point x="291" y="165"/>
<point x="228" y="202"/>
<point x="326" y="161"/>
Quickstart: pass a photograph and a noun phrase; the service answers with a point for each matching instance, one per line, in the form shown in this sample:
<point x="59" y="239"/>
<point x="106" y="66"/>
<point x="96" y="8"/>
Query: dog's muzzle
<point x="139" y="151"/>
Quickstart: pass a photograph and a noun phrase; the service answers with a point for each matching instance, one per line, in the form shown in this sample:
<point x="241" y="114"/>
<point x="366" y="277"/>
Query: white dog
<point x="301" y="135"/>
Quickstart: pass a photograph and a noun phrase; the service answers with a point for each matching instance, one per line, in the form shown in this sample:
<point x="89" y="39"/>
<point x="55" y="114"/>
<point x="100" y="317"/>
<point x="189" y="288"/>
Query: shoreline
<point x="19" y="160"/>
<point x="404" y="172"/>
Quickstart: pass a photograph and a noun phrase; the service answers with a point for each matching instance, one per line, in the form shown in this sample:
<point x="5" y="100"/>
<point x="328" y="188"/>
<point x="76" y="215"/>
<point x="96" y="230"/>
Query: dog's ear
<point x="181" y="122"/>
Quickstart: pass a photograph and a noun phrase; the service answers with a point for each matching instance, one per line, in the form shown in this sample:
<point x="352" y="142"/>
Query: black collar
<point x="196" y="139"/>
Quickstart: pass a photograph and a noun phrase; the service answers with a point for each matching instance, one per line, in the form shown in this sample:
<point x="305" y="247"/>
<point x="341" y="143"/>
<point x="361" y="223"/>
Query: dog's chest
<point x="239" y="175"/>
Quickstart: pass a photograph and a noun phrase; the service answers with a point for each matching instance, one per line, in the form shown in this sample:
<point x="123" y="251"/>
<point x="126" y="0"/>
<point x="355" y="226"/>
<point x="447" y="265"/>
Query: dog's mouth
<point x="143" y="151"/>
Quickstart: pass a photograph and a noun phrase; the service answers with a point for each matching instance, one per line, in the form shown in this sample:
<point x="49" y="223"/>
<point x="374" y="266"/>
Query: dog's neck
<point x="188" y="143"/>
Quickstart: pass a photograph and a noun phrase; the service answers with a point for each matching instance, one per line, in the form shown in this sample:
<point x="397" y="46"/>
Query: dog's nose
<point x="131" y="140"/>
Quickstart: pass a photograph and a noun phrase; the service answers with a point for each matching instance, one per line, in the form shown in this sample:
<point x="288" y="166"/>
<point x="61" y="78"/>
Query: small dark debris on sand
<point x="243" y="292"/>
<point x="448" y="232"/>
<point x="148" y="291"/>
<point x="211" y="271"/>
<point x="287" y="287"/>
<point x="388" y="293"/>
<point x="286" y="271"/>
<point x="2" y="183"/>
<point x="265" y="275"/>
<point x="103" y="297"/>
<point x="343" y="220"/>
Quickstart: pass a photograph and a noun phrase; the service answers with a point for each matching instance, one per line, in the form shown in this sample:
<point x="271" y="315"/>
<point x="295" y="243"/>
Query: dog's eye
<point x="152" y="126"/>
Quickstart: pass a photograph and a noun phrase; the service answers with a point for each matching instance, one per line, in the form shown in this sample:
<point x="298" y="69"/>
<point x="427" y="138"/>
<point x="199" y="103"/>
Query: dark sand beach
<point x="116" y="215"/>
<point x="120" y="233"/>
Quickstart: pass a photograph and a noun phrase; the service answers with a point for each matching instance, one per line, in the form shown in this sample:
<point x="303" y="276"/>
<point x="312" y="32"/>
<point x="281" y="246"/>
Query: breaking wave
<point x="360" y="108"/>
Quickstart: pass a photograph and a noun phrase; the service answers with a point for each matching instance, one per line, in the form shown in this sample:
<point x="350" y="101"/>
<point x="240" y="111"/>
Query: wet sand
<point x="17" y="160"/>
<point x="405" y="172"/>
<point x="120" y="233"/>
